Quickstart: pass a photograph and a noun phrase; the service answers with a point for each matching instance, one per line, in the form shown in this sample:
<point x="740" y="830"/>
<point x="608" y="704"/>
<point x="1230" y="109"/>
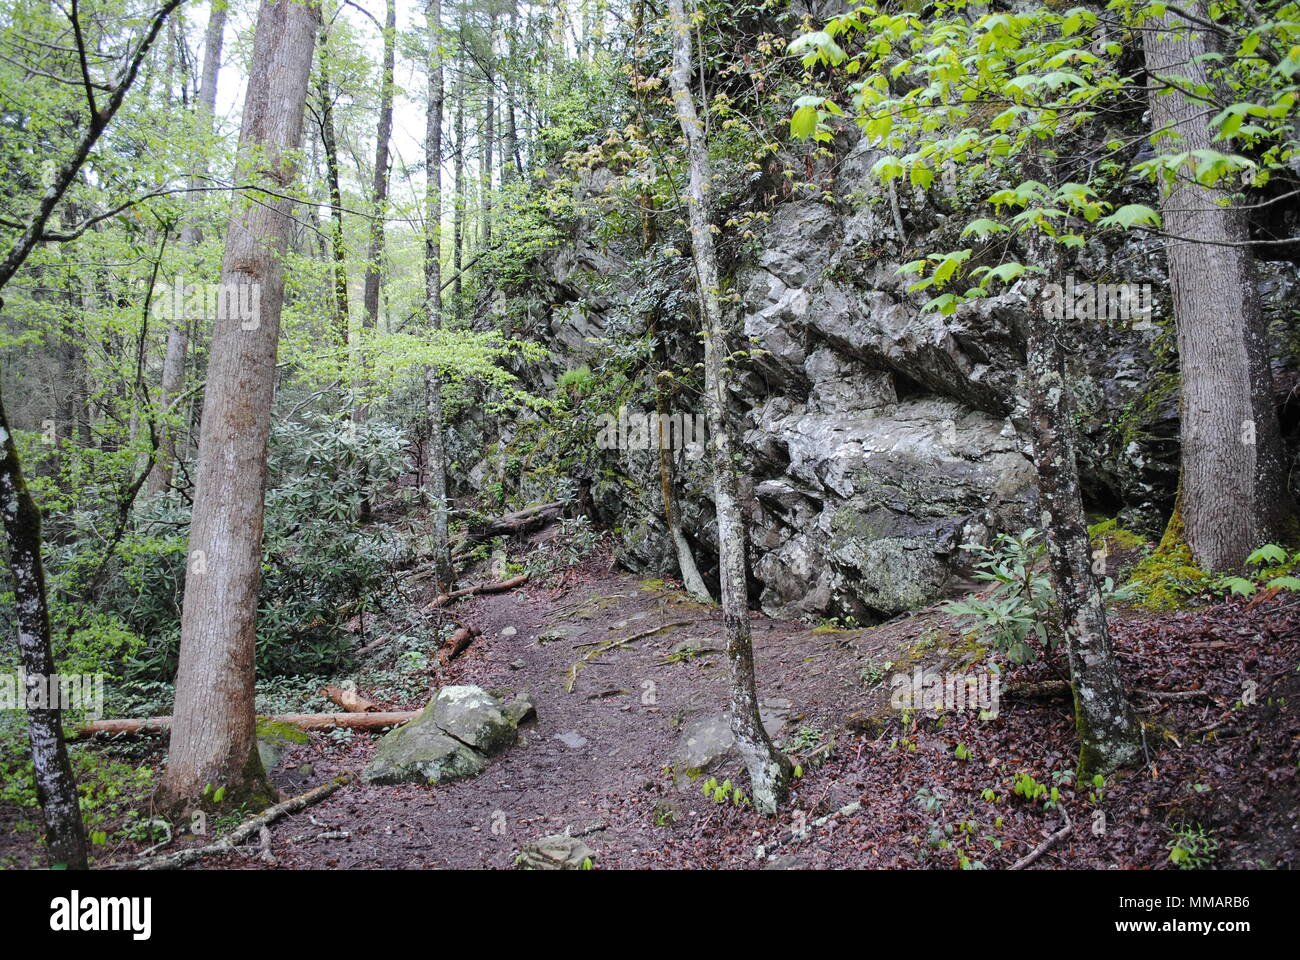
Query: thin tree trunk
<point x="1109" y="735"/>
<point x="769" y="769"/>
<point x="173" y="372"/>
<point x="458" y="211"/>
<point x="65" y="835"/>
<point x="511" y="167"/>
<point x="213" y="738"/>
<point x="691" y="578"/>
<point x="378" y="200"/>
<point x="433" y="297"/>
<point x="325" y="94"/>
<point x="486" y="158"/>
<point x="1234" y="486"/>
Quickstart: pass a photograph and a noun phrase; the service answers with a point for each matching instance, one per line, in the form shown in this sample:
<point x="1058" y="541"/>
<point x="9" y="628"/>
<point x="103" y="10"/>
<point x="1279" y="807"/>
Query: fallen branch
<point x="170" y="861"/>
<point x="499" y="586"/>
<point x="140" y="726"/>
<point x="349" y="700"/>
<point x="457" y="644"/>
<point x="848" y="810"/>
<point x="1043" y="847"/>
<point x="519" y="522"/>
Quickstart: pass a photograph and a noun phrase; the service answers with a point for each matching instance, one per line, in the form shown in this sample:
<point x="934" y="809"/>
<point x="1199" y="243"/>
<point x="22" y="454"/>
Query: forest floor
<point x="901" y="789"/>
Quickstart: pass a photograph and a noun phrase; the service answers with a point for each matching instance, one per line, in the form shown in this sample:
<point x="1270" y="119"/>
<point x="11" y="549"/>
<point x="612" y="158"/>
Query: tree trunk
<point x="378" y="208"/>
<point x="1109" y="735"/>
<point x="433" y="297"/>
<point x="1234" y="486"/>
<point x="173" y="371"/>
<point x="458" y="211"/>
<point x="769" y="770"/>
<point x="486" y="159"/>
<point x="325" y="95"/>
<point x="213" y="742"/>
<point x="56" y="788"/>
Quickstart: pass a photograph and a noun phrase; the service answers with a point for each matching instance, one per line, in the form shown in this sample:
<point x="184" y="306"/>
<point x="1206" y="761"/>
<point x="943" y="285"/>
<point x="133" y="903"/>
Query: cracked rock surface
<point x="451" y="739"/>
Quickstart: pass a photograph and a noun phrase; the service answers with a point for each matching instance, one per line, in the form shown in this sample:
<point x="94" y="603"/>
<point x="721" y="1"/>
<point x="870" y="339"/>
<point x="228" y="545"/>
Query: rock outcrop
<point x="451" y="739"/>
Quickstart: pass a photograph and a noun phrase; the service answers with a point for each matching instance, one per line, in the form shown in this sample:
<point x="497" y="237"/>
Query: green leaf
<point x="804" y="123"/>
<point x="983" y="227"/>
<point x="1269" y="553"/>
<point x="1130" y="214"/>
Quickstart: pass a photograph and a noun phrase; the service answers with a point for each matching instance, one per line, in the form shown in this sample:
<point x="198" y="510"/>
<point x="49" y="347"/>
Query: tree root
<point x="257" y="825"/>
<point x="604" y="646"/>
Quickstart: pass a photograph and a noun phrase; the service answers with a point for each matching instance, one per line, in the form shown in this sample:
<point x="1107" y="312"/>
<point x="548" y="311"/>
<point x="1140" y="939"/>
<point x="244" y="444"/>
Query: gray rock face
<point x="451" y="739"/>
<point x="878" y="437"/>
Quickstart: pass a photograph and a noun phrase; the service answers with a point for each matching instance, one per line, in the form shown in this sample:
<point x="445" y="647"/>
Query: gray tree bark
<point x="1108" y="731"/>
<point x="458" y="175"/>
<point x="325" y="96"/>
<point x="769" y="769"/>
<point x="1234" y="490"/>
<point x="437" y="447"/>
<point x="213" y="739"/>
<point x="378" y="202"/>
<point x="65" y="835"/>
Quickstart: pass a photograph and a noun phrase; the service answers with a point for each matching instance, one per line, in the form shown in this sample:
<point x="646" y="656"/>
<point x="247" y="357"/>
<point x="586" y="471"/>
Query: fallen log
<point x="513" y="524"/>
<point x="349" y="700"/>
<point x="457" y="643"/>
<point x="139" y="726"/>
<point x="170" y="861"/>
<point x="498" y="586"/>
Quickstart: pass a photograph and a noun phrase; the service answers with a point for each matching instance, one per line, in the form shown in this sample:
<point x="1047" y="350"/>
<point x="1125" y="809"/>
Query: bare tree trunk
<point x="769" y="769"/>
<point x="379" y="193"/>
<point x="65" y="835"/>
<point x="487" y="161"/>
<point x="511" y="167"/>
<point x="173" y="371"/>
<point x="1234" y="486"/>
<point x="213" y="739"/>
<point x="433" y="297"/>
<point x="691" y="578"/>
<point x="325" y="95"/>
<point x="1109" y="735"/>
<point x="458" y="211"/>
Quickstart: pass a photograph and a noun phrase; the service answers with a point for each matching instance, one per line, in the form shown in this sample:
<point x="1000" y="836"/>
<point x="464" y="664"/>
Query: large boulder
<point x="451" y="739"/>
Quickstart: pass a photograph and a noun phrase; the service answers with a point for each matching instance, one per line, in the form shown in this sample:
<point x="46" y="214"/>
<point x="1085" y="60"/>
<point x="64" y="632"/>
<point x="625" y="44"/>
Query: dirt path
<point x="589" y="751"/>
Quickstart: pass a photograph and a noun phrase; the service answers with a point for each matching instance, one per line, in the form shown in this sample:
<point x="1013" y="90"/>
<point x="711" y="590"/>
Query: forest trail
<point x="938" y="790"/>
<point x="588" y="752"/>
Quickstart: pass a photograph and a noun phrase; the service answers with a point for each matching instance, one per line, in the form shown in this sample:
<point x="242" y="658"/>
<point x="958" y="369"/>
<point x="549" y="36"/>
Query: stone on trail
<point x="707" y="744"/>
<point x="274" y="738"/>
<point x="556" y="852"/>
<point x="450" y="739"/>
